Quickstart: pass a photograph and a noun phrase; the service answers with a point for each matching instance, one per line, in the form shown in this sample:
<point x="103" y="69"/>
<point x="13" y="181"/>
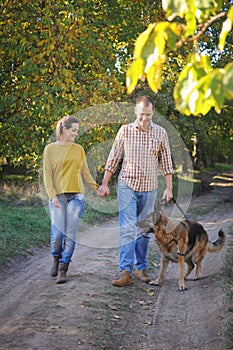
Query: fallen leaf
<point x="117" y="317"/>
<point x="113" y="307"/>
<point x="150" y="292"/>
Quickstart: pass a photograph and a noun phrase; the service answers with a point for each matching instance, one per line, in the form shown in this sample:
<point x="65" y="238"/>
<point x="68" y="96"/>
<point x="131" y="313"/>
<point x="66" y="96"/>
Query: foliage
<point x="57" y="58"/>
<point x="67" y="56"/>
<point x="212" y="136"/>
<point x="200" y="86"/>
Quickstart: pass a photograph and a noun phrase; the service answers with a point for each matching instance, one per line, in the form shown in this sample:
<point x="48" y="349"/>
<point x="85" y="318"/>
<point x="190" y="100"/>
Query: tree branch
<point x="203" y="29"/>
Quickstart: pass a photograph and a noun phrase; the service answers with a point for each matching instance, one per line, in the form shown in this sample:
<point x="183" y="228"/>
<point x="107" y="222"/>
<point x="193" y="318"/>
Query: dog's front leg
<point x="181" y="273"/>
<point x="163" y="267"/>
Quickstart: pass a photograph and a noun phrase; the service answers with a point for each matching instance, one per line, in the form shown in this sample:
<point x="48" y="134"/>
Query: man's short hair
<point x="146" y="100"/>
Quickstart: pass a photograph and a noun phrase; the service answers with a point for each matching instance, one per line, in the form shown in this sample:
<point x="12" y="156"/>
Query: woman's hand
<point x="55" y="202"/>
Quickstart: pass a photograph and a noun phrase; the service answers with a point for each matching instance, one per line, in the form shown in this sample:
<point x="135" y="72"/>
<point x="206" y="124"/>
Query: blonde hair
<point x="66" y="122"/>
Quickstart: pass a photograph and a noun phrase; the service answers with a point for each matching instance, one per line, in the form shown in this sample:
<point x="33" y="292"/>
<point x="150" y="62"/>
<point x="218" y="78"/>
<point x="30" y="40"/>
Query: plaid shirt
<point x="141" y="151"/>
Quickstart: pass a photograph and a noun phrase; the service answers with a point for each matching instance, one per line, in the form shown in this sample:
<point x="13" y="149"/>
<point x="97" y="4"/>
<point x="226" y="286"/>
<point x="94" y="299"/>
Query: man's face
<point x="144" y="115"/>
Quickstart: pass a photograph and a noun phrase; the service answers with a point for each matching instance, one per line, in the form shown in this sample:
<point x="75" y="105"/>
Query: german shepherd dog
<point x="187" y="241"/>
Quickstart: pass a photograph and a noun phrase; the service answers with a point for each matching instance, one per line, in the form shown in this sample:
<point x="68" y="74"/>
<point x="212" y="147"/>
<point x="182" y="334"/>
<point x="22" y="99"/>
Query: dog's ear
<point x="162" y="217"/>
<point x="147" y="224"/>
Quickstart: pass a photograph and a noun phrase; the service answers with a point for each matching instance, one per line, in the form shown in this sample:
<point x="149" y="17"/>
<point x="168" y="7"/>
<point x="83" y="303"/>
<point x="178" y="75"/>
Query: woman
<point x="65" y="167"/>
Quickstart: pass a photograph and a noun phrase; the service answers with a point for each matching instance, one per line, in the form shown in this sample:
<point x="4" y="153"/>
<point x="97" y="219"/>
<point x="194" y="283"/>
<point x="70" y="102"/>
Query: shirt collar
<point x="135" y="124"/>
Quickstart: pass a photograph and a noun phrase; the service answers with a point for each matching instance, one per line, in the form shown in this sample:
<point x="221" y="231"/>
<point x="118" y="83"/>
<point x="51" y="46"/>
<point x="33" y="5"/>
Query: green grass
<point x="22" y="229"/>
<point x="227" y="285"/>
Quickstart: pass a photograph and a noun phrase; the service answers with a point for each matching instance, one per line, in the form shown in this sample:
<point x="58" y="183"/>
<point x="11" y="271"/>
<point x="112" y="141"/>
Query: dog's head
<point x="156" y="218"/>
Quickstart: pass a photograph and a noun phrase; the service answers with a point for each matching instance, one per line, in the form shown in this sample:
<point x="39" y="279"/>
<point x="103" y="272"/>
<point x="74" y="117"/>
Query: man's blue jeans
<point x="133" y="207"/>
<point x="64" y="224"/>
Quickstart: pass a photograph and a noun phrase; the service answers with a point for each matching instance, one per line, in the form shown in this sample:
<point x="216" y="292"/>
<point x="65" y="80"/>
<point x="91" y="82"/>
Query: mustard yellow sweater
<point x="64" y="169"/>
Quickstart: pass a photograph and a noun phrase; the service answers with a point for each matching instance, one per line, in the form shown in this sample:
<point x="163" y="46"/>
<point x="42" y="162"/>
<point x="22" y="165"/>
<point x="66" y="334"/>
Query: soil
<point x="89" y="313"/>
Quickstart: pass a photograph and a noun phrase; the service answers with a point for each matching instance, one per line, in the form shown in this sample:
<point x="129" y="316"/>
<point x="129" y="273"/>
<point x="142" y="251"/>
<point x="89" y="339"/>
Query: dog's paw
<point x="154" y="282"/>
<point x="182" y="289"/>
<point x="196" y="278"/>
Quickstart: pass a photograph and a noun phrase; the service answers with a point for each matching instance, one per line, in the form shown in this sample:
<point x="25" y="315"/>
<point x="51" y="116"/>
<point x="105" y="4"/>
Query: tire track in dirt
<point x="192" y="319"/>
<point x="89" y="313"/>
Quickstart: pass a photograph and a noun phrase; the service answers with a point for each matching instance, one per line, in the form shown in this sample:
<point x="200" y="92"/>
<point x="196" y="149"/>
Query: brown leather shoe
<point x="123" y="280"/>
<point x="62" y="270"/>
<point x="54" y="268"/>
<point x="142" y="276"/>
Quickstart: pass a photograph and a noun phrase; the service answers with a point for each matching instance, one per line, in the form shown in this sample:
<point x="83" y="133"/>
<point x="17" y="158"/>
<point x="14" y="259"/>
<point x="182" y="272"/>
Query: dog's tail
<point x="216" y="246"/>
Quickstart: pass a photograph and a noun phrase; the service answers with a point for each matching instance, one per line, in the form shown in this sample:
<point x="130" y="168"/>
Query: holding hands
<point x="103" y="191"/>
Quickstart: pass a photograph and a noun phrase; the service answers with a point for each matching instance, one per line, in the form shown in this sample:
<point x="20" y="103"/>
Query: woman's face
<point x="70" y="134"/>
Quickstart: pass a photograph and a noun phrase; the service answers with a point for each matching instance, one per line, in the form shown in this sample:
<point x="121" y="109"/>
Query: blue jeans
<point x="64" y="224"/>
<point x="133" y="206"/>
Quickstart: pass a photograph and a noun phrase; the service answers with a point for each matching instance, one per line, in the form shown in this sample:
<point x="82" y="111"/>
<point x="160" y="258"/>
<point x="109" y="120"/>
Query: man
<point x="142" y="144"/>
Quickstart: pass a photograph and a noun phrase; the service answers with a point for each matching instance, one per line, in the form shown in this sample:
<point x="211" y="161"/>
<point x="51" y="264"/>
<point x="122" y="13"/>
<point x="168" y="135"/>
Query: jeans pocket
<point x="80" y="196"/>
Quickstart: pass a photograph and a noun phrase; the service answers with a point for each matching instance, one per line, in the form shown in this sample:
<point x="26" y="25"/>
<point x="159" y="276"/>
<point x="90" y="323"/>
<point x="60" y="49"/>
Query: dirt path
<point x="89" y="313"/>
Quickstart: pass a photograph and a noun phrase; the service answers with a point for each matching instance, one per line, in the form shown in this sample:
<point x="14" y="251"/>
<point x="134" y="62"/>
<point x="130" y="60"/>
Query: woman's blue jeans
<point x="64" y="224"/>
<point x="133" y="206"/>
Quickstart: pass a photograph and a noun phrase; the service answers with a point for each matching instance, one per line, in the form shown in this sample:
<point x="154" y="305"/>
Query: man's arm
<point x="113" y="160"/>
<point x="167" y="194"/>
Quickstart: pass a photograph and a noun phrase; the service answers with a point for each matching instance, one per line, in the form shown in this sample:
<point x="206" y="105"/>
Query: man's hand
<point x="103" y="190"/>
<point x="167" y="195"/>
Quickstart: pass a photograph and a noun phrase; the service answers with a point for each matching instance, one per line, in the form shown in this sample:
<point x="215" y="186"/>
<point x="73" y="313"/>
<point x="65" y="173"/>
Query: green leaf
<point x="183" y="88"/>
<point x="226" y="28"/>
<point x="217" y="88"/>
<point x="206" y="8"/>
<point x="189" y="92"/>
<point x="191" y="24"/>
<point x="202" y="9"/>
<point x="171" y="33"/>
<point x="208" y="92"/>
<point x="175" y="8"/>
<point x="151" y="49"/>
<point x="228" y="80"/>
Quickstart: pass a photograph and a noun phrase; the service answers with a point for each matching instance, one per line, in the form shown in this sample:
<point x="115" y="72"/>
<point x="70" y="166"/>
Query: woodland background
<point x="61" y="57"/>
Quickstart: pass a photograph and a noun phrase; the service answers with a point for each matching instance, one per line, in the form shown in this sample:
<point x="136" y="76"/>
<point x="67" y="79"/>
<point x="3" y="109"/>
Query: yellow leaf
<point x="150" y="292"/>
<point x="226" y="28"/>
<point x="135" y="72"/>
<point x="228" y="80"/>
<point x="142" y="39"/>
<point x="154" y="77"/>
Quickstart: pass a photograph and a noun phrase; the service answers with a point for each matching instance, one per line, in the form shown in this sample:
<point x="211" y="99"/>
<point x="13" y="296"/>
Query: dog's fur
<point x="185" y="242"/>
